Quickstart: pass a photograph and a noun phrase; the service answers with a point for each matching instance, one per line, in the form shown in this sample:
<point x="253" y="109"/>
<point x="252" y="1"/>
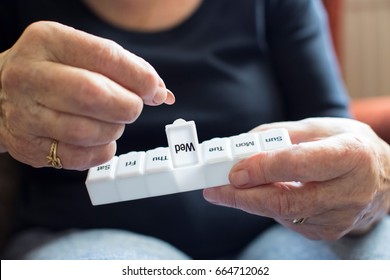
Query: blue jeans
<point x="276" y="243"/>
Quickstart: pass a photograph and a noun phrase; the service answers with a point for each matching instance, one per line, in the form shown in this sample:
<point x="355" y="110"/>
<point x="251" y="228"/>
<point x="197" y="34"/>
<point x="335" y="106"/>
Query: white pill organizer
<point x="184" y="165"/>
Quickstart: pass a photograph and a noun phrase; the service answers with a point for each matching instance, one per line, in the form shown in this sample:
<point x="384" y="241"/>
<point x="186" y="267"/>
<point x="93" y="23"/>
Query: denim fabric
<point x="277" y="243"/>
<point x="98" y="244"/>
<point x="280" y="243"/>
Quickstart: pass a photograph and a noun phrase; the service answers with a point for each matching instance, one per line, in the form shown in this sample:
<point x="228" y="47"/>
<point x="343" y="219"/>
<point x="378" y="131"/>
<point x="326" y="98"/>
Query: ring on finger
<point x="299" y="221"/>
<point x="52" y="158"/>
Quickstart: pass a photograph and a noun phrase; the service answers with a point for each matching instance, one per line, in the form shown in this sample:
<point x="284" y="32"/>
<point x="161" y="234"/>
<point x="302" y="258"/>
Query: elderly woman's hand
<point x="60" y="84"/>
<point x="335" y="179"/>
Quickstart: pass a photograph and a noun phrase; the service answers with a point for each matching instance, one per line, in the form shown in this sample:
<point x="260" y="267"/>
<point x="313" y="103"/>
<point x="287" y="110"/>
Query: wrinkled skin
<point x="63" y="84"/>
<point x="336" y="174"/>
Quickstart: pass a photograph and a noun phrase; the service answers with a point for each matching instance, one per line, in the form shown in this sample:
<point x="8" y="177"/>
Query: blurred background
<point x="361" y="34"/>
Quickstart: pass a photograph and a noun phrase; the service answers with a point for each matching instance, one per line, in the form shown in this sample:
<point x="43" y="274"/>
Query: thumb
<point x="320" y="160"/>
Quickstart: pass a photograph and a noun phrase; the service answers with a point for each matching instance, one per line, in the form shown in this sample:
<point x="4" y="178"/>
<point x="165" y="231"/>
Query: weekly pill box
<point x="184" y="165"/>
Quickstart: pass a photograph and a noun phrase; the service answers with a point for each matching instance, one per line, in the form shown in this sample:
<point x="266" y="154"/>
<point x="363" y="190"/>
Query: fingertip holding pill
<point x="160" y="96"/>
<point x="164" y="96"/>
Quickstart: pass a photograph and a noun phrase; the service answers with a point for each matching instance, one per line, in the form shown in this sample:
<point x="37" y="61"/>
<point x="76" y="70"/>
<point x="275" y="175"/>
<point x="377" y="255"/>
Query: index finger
<point x="80" y="49"/>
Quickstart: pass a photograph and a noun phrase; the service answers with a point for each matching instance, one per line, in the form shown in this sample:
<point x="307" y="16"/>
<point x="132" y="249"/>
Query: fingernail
<point x="209" y="195"/>
<point x="170" y="98"/>
<point x="239" y="178"/>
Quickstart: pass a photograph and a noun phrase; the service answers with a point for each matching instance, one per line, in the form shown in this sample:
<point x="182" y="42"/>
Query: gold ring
<point x="52" y="158"/>
<point x="299" y="221"/>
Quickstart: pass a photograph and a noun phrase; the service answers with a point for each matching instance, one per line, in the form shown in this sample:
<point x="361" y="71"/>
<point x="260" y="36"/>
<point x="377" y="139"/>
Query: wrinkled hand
<point x="343" y="170"/>
<point x="63" y="84"/>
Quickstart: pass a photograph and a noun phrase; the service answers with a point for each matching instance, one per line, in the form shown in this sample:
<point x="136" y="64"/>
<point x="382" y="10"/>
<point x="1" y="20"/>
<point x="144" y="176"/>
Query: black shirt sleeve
<point x="8" y="29"/>
<point x="304" y="61"/>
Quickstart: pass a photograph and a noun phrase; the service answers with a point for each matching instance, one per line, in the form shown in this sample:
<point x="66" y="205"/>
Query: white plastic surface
<point x="183" y="166"/>
<point x="183" y="143"/>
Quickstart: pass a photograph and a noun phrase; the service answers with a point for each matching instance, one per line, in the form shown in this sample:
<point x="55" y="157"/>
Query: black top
<point x="232" y="65"/>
